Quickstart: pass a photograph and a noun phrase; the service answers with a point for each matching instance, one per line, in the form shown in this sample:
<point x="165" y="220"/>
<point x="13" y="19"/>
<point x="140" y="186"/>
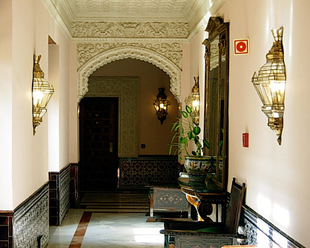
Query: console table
<point x="202" y="195"/>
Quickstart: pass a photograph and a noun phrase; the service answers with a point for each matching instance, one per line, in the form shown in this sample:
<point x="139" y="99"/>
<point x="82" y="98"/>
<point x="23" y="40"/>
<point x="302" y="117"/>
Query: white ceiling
<point x="181" y="10"/>
<point x="187" y="11"/>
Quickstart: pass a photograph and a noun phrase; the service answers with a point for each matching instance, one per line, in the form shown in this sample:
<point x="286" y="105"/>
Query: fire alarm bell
<point x="245" y="139"/>
<point x="241" y="46"/>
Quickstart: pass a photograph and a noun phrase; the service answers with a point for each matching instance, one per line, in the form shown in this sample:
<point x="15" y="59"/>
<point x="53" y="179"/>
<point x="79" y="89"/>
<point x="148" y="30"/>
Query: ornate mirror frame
<point x="216" y="97"/>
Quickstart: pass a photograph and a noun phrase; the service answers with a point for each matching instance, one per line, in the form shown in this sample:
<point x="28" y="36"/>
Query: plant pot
<point x="197" y="167"/>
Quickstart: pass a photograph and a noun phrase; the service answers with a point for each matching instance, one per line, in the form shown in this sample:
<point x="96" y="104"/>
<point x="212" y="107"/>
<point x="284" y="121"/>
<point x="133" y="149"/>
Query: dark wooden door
<point x="98" y="143"/>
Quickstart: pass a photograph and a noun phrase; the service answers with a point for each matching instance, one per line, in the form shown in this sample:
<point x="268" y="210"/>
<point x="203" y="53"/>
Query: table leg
<point x="203" y="208"/>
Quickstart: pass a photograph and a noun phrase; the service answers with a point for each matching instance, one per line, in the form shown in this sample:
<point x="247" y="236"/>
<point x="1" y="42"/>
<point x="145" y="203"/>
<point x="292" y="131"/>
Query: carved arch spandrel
<point x="125" y="52"/>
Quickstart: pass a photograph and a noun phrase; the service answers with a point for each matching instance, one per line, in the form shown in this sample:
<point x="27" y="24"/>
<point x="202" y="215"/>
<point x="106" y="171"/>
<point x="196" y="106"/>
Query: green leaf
<point x="170" y="149"/>
<point x="175" y="126"/>
<point x="188" y="109"/>
<point x="206" y="143"/>
<point x="183" y="140"/>
<point x="194" y="153"/>
<point x="185" y="114"/>
<point x="173" y="137"/>
<point x="190" y="135"/>
<point x="196" y="130"/>
<point x="221" y="143"/>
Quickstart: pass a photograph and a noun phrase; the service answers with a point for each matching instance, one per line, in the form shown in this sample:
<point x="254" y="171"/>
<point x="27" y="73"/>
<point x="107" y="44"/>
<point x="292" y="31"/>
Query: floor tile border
<point x="80" y="230"/>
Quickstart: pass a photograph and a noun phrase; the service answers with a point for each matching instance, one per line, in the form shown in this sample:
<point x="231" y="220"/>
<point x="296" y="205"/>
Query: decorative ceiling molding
<point x="93" y="56"/>
<point x="129" y="30"/>
<point x="60" y="17"/>
<point x="69" y="12"/>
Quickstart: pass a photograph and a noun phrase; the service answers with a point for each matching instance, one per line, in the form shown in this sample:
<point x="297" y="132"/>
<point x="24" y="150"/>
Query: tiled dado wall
<point x="137" y="172"/>
<point x="27" y="225"/>
<point x="74" y="186"/>
<point x="260" y="231"/>
<point x="59" y="193"/>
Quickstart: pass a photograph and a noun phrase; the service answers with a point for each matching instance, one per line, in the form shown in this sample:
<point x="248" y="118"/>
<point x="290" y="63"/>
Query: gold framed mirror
<point x="216" y="98"/>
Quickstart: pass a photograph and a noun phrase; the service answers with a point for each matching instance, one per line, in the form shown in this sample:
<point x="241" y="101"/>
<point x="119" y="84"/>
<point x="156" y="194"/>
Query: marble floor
<point x="108" y="220"/>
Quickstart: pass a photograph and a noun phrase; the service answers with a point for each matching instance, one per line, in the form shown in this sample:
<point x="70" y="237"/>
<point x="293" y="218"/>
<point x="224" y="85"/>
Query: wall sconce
<point x="270" y="84"/>
<point x="41" y="94"/>
<point x="193" y="101"/>
<point x="161" y="105"/>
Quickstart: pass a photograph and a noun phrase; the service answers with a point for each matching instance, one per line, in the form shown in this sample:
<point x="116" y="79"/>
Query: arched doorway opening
<point x="152" y="138"/>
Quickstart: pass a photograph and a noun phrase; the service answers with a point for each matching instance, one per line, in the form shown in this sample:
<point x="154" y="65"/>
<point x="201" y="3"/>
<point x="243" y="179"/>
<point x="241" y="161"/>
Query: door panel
<point x="98" y="143"/>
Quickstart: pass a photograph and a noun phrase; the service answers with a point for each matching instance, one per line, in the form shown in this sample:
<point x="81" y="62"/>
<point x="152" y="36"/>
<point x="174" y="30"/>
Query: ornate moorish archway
<point x="123" y="52"/>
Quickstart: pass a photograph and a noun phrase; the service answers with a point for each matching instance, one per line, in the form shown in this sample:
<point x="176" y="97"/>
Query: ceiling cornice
<point x="75" y="27"/>
<point x="60" y="18"/>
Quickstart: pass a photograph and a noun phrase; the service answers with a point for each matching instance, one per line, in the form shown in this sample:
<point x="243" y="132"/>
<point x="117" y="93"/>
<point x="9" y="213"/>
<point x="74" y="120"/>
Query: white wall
<point x="6" y="105"/>
<point x="277" y="177"/>
<point x="73" y="107"/>
<point x="53" y="108"/>
<point x="26" y="26"/>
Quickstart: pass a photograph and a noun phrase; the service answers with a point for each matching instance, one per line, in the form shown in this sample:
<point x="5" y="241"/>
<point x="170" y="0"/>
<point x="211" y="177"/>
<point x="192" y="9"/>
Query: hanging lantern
<point x="161" y="105"/>
<point x="193" y="101"/>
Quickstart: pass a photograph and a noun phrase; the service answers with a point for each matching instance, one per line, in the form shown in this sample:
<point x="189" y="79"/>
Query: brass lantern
<point x="270" y="84"/>
<point x="41" y="94"/>
<point x="161" y="105"/>
<point x="193" y="101"/>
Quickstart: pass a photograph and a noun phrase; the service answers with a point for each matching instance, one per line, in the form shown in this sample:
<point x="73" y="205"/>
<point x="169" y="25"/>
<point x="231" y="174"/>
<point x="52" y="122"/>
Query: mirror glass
<point x="216" y="105"/>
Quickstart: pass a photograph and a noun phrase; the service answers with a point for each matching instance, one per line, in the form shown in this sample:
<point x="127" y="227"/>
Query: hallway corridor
<point x="108" y="220"/>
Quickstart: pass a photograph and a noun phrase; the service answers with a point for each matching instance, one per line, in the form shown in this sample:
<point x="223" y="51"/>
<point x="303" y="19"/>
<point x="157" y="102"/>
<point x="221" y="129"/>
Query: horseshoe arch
<point x="173" y="71"/>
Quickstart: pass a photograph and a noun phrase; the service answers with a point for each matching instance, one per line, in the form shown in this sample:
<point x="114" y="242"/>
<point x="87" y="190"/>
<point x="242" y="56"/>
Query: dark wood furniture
<point x="168" y="201"/>
<point x="185" y="233"/>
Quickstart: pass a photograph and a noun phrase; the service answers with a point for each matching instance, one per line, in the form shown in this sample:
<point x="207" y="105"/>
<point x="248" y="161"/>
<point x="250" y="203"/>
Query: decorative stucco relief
<point x="129" y="29"/>
<point x="166" y="56"/>
<point x="172" y="51"/>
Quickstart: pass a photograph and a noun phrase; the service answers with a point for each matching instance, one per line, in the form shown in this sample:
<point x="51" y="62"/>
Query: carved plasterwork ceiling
<point x="130" y="8"/>
<point x="74" y="16"/>
<point x="129" y="30"/>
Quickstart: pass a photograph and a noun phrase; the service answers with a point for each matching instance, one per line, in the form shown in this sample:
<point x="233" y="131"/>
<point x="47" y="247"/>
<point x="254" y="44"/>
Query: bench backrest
<point x="234" y="207"/>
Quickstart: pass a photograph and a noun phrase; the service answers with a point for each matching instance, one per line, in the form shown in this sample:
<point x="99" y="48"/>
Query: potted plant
<point x="186" y="132"/>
